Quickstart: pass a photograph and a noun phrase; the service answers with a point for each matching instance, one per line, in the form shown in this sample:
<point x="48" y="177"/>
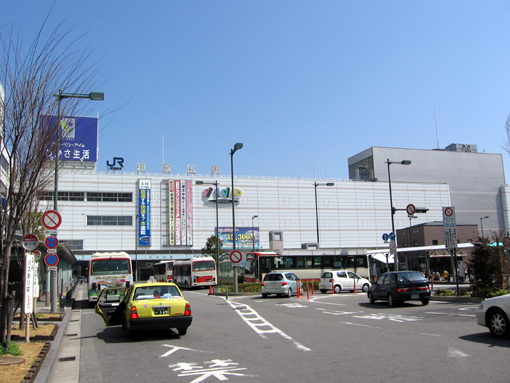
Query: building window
<point x="97" y="220"/>
<point x="73" y="244"/>
<point x="62" y="196"/>
<point x="434" y="242"/>
<point x="109" y="197"/>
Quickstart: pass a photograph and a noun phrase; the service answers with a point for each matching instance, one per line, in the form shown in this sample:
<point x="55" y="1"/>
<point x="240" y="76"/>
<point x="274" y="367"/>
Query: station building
<point x="163" y="216"/>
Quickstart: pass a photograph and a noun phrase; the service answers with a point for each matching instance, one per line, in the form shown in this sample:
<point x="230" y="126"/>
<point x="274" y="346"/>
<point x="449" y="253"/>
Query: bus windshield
<point x="110" y="266"/>
<point x="203" y="265"/>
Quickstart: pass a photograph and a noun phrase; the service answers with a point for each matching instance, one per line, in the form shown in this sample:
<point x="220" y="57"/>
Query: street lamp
<point x="215" y="183"/>
<point x="237" y="146"/>
<point x="481" y="222"/>
<point x="315" y="184"/>
<point x="404" y="162"/>
<point x="253" y="231"/>
<point x="96" y="96"/>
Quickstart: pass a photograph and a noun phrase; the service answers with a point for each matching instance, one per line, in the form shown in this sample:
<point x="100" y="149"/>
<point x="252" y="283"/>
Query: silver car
<point x="281" y="284"/>
<point x="494" y="313"/>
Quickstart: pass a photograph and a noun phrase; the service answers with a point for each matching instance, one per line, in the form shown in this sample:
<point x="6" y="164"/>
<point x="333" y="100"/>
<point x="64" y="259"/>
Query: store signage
<point x="222" y="195"/>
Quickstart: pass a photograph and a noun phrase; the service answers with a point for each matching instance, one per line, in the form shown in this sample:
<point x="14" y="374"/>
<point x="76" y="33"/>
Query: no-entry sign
<point x="236" y="256"/>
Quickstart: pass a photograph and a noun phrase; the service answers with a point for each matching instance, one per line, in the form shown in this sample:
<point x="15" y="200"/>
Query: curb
<point x="47" y="366"/>
<point x="457" y="299"/>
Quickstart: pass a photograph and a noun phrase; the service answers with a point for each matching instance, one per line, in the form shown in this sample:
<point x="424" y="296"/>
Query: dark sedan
<point x="400" y="286"/>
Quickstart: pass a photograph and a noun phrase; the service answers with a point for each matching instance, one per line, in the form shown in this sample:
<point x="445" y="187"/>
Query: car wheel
<point x="133" y="334"/>
<point x="391" y="301"/>
<point x="289" y="292"/>
<point x="371" y="298"/>
<point x="182" y="331"/>
<point x="264" y="296"/>
<point x="498" y="323"/>
<point x="365" y="288"/>
<point x="324" y="291"/>
<point x="425" y="302"/>
<point x="338" y="288"/>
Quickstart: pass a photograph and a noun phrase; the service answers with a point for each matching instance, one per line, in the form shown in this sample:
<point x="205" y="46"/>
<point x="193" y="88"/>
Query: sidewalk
<point x="62" y="364"/>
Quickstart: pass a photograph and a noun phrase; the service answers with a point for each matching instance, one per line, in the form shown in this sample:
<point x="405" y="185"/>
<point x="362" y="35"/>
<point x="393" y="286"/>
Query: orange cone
<point x="210" y="290"/>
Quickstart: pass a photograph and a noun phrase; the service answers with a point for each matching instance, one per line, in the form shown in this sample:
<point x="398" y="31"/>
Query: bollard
<point x="333" y="287"/>
<point x="307" y="293"/>
<point x="298" y="295"/>
<point x="312" y="288"/>
<point x="354" y="286"/>
<point x="210" y="290"/>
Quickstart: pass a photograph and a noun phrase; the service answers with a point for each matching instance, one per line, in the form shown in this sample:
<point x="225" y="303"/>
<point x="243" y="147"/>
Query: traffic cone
<point x="210" y="290"/>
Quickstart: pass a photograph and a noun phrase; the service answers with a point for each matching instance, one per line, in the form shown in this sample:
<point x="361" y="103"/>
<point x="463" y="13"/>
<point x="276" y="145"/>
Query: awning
<point x="381" y="257"/>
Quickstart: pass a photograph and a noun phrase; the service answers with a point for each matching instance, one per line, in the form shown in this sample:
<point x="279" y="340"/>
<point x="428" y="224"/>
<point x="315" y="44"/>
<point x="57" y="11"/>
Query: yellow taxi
<point x="146" y="306"/>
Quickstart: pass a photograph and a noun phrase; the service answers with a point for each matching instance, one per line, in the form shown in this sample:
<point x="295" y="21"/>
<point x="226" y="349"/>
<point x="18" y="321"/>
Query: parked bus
<point x="305" y="266"/>
<point x="108" y="269"/>
<point x="163" y="271"/>
<point x="195" y="272"/>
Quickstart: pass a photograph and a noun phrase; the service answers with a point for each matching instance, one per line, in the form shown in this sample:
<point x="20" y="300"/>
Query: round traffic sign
<point x="51" y="242"/>
<point x="385" y="237"/>
<point x="30" y="242"/>
<point x="236" y="256"/>
<point x="392" y="236"/>
<point x="51" y="259"/>
<point x="448" y="211"/>
<point x="51" y="219"/>
<point x="411" y="209"/>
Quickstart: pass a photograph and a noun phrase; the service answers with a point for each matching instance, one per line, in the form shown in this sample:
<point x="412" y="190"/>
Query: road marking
<point x="456" y="353"/>
<point x="390" y="329"/>
<point x="455" y="315"/>
<point x="260" y="325"/>
<point x="292" y="305"/>
<point x="390" y="317"/>
<point x="177" y="348"/>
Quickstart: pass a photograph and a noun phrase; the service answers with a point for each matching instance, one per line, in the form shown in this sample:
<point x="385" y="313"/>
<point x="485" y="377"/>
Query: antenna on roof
<point x="437" y="135"/>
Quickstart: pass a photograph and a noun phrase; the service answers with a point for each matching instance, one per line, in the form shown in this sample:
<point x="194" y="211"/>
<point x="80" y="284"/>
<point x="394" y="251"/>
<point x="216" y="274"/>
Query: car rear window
<point x="273" y="277"/>
<point x="412" y="276"/>
<point x="156" y="292"/>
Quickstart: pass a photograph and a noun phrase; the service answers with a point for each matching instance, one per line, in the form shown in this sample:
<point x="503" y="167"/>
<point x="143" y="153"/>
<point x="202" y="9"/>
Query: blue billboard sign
<point x="144" y="212"/>
<point x="246" y="238"/>
<point x="78" y="137"/>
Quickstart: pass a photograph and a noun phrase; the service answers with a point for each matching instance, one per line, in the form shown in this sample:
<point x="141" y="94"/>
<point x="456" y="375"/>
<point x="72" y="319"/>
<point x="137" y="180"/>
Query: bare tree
<point x="31" y="77"/>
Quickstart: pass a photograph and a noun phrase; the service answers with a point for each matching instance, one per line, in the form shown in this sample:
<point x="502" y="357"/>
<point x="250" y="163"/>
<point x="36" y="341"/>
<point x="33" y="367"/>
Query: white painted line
<point x="454" y="315"/>
<point x="243" y="310"/>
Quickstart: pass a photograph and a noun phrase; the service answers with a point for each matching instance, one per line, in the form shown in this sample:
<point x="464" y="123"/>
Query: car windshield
<point x="156" y="292"/>
<point x="411" y="276"/>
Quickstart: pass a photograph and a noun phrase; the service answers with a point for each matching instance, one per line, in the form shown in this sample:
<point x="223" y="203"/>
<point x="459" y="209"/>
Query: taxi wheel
<point x="133" y="334"/>
<point x="182" y="331"/>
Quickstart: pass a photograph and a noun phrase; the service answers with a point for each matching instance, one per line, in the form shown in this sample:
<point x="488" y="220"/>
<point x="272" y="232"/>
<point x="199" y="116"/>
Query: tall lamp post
<point x="315" y="184"/>
<point x="237" y="146"/>
<point x="97" y="96"/>
<point x="481" y="222"/>
<point x="253" y="231"/>
<point x="215" y="183"/>
<point x="404" y="162"/>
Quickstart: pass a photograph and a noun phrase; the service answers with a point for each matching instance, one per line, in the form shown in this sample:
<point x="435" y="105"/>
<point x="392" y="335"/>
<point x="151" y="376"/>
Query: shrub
<point x="446" y="293"/>
<point x="490" y="292"/>
<point x="13" y="349"/>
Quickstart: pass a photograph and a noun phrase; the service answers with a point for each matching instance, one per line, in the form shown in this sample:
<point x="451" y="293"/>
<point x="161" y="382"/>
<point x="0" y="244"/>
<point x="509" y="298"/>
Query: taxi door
<point x="111" y="306"/>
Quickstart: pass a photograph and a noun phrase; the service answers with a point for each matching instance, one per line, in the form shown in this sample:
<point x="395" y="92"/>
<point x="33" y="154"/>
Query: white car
<point x="281" y="284"/>
<point x="342" y="280"/>
<point x="494" y="313"/>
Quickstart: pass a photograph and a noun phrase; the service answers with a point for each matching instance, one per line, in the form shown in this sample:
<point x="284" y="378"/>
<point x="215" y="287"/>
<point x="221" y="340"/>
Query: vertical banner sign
<point x="450" y="227"/>
<point x="189" y="217"/>
<point x="177" y="212"/>
<point x="28" y="297"/>
<point x="36" y="280"/>
<point x="183" y="212"/>
<point x="171" y="212"/>
<point x="144" y="213"/>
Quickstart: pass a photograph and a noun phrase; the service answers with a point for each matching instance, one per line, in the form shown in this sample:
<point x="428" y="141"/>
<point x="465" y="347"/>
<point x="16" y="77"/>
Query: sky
<point x="304" y="85"/>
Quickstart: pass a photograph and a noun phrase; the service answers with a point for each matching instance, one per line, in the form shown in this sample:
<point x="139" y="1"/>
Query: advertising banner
<point x="144" y="213"/>
<point x="171" y="212"/>
<point x="246" y="238"/>
<point x="177" y="212"/>
<point x="78" y="137"/>
<point x="189" y="215"/>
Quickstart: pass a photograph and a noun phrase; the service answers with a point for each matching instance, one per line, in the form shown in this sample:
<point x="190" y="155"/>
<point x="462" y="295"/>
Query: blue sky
<point x="302" y="84"/>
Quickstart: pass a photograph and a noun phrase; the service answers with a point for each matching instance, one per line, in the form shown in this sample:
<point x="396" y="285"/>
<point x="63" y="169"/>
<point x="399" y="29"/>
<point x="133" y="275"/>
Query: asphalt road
<point x="329" y="338"/>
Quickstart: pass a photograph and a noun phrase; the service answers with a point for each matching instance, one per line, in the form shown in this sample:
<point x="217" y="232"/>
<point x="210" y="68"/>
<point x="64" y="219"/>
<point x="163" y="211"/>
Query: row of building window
<point x="87" y="196"/>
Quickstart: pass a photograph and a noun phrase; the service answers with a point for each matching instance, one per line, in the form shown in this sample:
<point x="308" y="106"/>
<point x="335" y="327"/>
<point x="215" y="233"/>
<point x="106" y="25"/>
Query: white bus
<point x="163" y="271"/>
<point x="195" y="272"/>
<point x="108" y="269"/>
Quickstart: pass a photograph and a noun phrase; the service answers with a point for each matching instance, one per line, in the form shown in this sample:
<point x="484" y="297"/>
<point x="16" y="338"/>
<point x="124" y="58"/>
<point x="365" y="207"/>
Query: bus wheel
<point x="264" y="295"/>
<point x="324" y="291"/>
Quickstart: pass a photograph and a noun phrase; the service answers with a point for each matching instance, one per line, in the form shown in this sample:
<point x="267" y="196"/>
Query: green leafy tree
<point x="211" y="247"/>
